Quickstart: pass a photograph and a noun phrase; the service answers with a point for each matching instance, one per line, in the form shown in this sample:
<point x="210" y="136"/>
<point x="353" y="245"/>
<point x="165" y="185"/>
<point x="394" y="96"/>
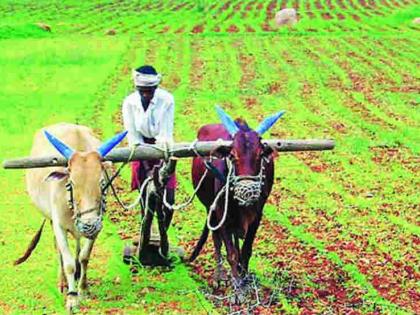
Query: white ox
<point x="71" y="197"/>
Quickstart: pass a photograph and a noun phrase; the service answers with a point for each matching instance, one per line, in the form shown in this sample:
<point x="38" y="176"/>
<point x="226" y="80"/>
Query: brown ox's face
<point x="248" y="157"/>
<point x="247" y="151"/>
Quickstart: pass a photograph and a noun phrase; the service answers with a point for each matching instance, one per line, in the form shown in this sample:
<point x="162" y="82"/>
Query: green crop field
<point x="340" y="233"/>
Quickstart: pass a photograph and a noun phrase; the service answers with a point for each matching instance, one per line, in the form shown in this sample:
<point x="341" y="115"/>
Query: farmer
<point x="148" y="115"/>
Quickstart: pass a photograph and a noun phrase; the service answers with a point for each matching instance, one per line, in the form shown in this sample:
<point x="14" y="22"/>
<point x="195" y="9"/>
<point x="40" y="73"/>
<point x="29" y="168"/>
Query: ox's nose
<point x="89" y="229"/>
<point x="247" y="192"/>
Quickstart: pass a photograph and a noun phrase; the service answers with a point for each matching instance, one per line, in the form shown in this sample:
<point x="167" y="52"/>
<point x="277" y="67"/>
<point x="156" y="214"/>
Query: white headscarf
<point x="142" y="79"/>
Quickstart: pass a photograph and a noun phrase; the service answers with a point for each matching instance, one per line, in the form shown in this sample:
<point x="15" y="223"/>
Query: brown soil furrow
<point x="248" y="6"/>
<point x="198" y="67"/>
<point x="306" y="278"/>
<point x="224" y="7"/>
<point x="180" y="6"/>
<point x="359" y="84"/>
<point x="247" y="64"/>
<point x="395" y="3"/>
<point x="394" y="280"/>
<point x="198" y="29"/>
<point x="308" y="10"/>
<point x="342" y="4"/>
<point x="270" y="10"/>
<point x="385" y="156"/>
<point x="330" y="5"/>
<point x="381" y="81"/>
<point x="283" y="4"/>
<point x="384" y="3"/>
<point x="319" y="5"/>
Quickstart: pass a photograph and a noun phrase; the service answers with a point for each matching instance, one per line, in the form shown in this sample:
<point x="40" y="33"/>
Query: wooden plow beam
<point x="179" y="150"/>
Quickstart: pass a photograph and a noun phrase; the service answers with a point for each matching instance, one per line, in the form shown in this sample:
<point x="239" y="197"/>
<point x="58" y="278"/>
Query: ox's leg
<point x="62" y="282"/>
<point x="233" y="258"/>
<point x="246" y="251"/>
<point x="237" y="247"/>
<point x="220" y="274"/>
<point x="77" y="274"/>
<point x="68" y="264"/>
<point x="232" y="253"/>
<point x="84" y="260"/>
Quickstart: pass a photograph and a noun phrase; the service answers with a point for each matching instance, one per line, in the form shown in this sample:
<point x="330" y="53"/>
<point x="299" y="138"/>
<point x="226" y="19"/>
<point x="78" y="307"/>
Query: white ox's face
<point x="85" y="182"/>
<point x="86" y="175"/>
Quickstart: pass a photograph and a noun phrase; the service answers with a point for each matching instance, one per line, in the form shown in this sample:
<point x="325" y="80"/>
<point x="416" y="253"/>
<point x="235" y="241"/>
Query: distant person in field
<point x="148" y="115"/>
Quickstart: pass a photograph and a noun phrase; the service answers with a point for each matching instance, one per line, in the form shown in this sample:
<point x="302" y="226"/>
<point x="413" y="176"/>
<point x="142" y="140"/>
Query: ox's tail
<point x="200" y="243"/>
<point x="31" y="246"/>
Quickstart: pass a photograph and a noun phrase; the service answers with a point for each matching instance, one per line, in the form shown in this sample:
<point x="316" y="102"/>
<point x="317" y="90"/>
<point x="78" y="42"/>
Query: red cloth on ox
<point x="138" y="173"/>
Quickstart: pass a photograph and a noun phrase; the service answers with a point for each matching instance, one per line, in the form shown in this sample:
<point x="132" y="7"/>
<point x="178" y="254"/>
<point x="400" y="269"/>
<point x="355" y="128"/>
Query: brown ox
<point x="235" y="192"/>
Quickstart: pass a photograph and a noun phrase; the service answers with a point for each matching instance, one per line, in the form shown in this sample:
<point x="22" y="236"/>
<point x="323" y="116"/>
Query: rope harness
<point x="91" y="229"/>
<point x="149" y="180"/>
<point x="246" y="191"/>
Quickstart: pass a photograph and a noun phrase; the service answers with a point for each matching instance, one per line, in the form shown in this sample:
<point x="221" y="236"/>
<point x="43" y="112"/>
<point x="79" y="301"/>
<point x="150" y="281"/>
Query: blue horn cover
<point x="64" y="150"/>
<point x="227" y="121"/>
<point x="267" y="123"/>
<point x="108" y="145"/>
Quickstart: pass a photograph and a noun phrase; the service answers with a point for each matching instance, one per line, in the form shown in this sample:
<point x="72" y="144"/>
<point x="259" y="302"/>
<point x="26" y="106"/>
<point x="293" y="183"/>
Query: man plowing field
<point x="148" y="115"/>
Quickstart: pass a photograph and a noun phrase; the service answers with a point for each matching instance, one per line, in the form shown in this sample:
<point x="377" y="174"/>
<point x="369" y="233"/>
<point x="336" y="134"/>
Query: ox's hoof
<point x="238" y="298"/>
<point x="220" y="278"/>
<point x="72" y="303"/>
<point x="62" y="286"/>
<point x="83" y="294"/>
<point x="83" y="288"/>
<point x="241" y="288"/>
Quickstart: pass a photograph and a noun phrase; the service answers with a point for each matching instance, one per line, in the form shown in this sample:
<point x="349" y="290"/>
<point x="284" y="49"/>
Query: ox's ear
<point x="269" y="151"/>
<point x="228" y="122"/>
<point x="221" y="152"/>
<point x="107" y="165"/>
<point x="108" y="145"/>
<point x="267" y="123"/>
<point x="56" y="175"/>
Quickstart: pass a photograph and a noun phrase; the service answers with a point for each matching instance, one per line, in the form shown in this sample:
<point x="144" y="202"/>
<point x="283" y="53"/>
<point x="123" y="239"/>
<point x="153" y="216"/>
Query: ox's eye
<point x="233" y="156"/>
<point x="266" y="150"/>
